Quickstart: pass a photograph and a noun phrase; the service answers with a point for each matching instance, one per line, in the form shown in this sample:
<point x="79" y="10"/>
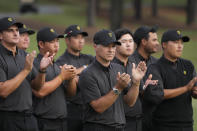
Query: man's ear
<point x="164" y="44"/>
<point x="94" y="46"/>
<point x="67" y="40"/>
<point x="0" y="35"/>
<point x="41" y="44"/>
<point x="143" y="42"/>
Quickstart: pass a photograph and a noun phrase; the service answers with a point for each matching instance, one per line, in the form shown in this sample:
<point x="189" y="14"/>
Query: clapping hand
<point x="46" y="61"/>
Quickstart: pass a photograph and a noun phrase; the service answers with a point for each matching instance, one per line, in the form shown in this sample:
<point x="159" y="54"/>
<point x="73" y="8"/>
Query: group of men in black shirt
<point x="118" y="89"/>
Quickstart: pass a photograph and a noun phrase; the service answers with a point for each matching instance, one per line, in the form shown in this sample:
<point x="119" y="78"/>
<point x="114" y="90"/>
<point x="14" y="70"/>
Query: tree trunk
<point x="154" y="8"/>
<point x="138" y="9"/>
<point x="191" y="5"/>
<point x="91" y="13"/>
<point x="116" y="14"/>
<point x="98" y="7"/>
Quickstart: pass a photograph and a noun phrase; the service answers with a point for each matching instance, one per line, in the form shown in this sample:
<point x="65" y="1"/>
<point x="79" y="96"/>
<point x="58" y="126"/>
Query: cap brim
<point x="60" y="36"/>
<point x="185" y="39"/>
<point x="31" y="32"/>
<point x="117" y="43"/>
<point x="75" y="34"/>
<point x="84" y="33"/>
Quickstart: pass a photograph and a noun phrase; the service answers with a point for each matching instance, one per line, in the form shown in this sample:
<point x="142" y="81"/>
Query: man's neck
<point x="103" y="62"/>
<point x="170" y="58"/>
<point x="123" y="59"/>
<point x="75" y="53"/>
<point x="10" y="47"/>
<point x="143" y="53"/>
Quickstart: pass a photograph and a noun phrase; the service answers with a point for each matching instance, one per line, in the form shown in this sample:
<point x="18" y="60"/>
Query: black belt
<point x="53" y="120"/>
<point x="137" y="117"/>
<point x="77" y="104"/>
<point x="16" y="113"/>
<point x="98" y="125"/>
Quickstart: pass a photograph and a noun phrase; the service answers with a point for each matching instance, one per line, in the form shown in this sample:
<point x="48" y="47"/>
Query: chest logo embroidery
<point x="185" y="72"/>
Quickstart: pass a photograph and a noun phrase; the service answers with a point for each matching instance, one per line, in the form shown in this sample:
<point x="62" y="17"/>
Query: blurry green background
<point x="171" y="14"/>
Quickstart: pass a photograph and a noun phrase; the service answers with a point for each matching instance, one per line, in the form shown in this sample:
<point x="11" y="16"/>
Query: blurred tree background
<point x="93" y="15"/>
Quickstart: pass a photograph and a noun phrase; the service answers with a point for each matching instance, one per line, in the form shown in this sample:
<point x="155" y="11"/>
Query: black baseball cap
<point x="173" y="35"/>
<point x="47" y="34"/>
<point x="6" y="22"/>
<point x="142" y="32"/>
<point x="105" y="37"/>
<point x="74" y="30"/>
<point x="24" y="29"/>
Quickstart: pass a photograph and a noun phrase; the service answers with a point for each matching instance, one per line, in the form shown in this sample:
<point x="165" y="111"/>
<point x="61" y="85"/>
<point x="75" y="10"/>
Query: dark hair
<point x="120" y="32"/>
<point x="153" y="30"/>
<point x="143" y="34"/>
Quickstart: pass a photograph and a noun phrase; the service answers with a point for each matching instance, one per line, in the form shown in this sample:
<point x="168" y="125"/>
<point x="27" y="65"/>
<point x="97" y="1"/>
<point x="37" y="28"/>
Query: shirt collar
<point x="39" y="56"/>
<point x="101" y="66"/>
<point x="139" y="56"/>
<point x="8" y="52"/>
<point x="71" y="55"/>
<point x="118" y="61"/>
<point x="168" y="61"/>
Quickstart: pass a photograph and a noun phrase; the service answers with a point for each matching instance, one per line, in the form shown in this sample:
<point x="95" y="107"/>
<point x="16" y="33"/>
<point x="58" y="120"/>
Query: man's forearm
<point x="104" y="102"/>
<point x="171" y="93"/>
<point x="39" y="81"/>
<point x="72" y="88"/>
<point x="132" y="95"/>
<point x="48" y="87"/>
<point x="9" y="86"/>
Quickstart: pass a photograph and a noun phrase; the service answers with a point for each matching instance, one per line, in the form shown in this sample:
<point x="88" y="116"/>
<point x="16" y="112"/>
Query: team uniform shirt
<point x="136" y="109"/>
<point x="52" y="106"/>
<point x="19" y="100"/>
<point x="176" y="111"/>
<point x="136" y="58"/>
<point x="76" y="61"/>
<point x="95" y="82"/>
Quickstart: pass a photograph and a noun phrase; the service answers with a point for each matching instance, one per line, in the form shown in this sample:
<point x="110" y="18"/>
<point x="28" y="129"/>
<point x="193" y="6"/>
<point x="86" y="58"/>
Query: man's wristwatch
<point x="116" y="91"/>
<point x="85" y="66"/>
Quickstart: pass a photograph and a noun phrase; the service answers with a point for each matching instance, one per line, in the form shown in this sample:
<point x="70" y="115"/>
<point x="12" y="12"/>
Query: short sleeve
<point x="154" y="93"/>
<point x="3" y="76"/>
<point x="88" y="87"/>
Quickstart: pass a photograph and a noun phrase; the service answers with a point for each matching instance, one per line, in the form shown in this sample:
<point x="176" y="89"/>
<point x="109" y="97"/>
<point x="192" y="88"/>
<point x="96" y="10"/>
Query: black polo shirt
<point x="176" y="111"/>
<point x="52" y="106"/>
<point x="21" y="99"/>
<point x="95" y="82"/>
<point x="136" y="58"/>
<point x="77" y="61"/>
<point x="136" y="109"/>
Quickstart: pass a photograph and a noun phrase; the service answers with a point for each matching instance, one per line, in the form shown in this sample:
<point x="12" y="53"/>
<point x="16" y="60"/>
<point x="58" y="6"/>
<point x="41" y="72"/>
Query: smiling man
<point x="24" y="40"/>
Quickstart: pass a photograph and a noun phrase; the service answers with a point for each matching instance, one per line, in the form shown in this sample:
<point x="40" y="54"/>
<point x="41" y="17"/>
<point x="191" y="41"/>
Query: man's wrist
<point x="61" y="77"/>
<point x="26" y="71"/>
<point x="116" y="91"/>
<point x="42" y="70"/>
<point x="135" y="83"/>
